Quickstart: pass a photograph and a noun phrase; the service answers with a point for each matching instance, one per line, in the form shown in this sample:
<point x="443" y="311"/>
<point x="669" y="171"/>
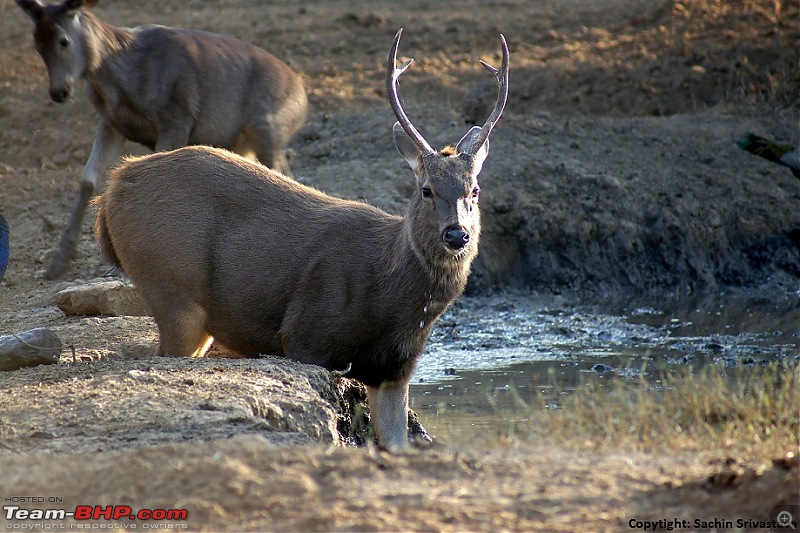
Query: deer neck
<point x="433" y="272"/>
<point x="102" y="42"/>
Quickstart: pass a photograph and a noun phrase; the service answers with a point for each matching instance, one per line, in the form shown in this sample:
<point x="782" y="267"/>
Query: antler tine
<point x="392" y="76"/>
<point x="501" y="76"/>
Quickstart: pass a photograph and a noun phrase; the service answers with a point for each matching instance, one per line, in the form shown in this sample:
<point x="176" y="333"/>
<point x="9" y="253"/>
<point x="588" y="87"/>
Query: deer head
<point x="58" y="38"/>
<point x="447" y="192"/>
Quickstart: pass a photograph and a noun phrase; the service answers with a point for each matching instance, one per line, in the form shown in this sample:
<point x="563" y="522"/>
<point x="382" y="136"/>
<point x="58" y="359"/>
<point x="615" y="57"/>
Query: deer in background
<point x="225" y="249"/>
<point x="163" y="88"/>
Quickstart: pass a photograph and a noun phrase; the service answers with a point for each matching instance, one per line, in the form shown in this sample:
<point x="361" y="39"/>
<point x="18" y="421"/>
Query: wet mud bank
<point x="672" y="206"/>
<point x="494" y="359"/>
<point x="555" y="323"/>
<point x="621" y="337"/>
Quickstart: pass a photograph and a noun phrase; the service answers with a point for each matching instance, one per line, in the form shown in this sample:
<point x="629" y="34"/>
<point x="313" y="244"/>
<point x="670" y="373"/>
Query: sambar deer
<point x="227" y="250"/>
<point x="163" y="88"/>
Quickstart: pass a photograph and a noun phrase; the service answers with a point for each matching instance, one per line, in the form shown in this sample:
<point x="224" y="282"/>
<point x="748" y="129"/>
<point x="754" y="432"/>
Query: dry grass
<point x="753" y="409"/>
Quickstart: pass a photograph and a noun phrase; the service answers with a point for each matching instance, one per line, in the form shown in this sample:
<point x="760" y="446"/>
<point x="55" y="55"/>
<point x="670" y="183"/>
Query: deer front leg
<point x="388" y="405"/>
<point x="107" y="147"/>
<point x="174" y="132"/>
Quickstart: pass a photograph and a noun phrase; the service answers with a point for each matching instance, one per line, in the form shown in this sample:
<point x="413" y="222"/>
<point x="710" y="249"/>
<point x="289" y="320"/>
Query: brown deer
<point x="227" y="250"/>
<point x="163" y="88"/>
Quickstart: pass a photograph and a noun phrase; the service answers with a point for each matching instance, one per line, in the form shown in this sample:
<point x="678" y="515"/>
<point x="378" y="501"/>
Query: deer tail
<point x="102" y="235"/>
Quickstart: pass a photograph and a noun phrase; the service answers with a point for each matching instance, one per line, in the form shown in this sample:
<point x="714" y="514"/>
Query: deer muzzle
<point x="60" y="94"/>
<point x="455" y="237"/>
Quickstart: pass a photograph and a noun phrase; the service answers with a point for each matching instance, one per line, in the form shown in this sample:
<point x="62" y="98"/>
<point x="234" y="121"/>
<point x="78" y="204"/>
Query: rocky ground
<point x="613" y="171"/>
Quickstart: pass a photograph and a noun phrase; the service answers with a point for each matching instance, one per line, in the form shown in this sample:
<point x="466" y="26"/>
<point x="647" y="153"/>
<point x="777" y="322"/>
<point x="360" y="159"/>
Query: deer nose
<point x="59" y="94"/>
<point x="456" y="237"/>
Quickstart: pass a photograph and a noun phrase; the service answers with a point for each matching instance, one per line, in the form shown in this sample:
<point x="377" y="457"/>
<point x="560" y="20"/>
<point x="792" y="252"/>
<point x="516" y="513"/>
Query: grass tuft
<point x="746" y="408"/>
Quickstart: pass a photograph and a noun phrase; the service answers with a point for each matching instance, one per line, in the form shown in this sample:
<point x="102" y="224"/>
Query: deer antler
<point x="502" y="82"/>
<point x="392" y="75"/>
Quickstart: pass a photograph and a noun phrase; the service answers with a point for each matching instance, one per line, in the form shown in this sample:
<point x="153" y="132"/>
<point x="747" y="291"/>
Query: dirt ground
<point x="614" y="170"/>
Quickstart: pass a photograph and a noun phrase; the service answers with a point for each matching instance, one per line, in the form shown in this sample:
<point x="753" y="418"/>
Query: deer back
<point x="279" y="267"/>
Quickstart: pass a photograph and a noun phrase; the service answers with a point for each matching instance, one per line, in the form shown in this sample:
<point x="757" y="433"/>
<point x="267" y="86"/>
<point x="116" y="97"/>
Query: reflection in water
<point x="489" y="357"/>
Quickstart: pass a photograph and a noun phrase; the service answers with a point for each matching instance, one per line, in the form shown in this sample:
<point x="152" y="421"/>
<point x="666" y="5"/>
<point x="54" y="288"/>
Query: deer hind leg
<point x="269" y="145"/>
<point x="182" y="330"/>
<point x="388" y="405"/>
<point x="106" y="149"/>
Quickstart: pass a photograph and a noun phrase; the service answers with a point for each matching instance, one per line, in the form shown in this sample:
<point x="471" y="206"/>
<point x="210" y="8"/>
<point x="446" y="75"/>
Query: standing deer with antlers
<point x="227" y="250"/>
<point x="163" y="88"/>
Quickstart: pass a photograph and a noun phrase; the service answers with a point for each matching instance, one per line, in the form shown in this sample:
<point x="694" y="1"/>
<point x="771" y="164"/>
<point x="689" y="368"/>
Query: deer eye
<point x="476" y="192"/>
<point x="427" y="192"/>
<point x="64" y="42"/>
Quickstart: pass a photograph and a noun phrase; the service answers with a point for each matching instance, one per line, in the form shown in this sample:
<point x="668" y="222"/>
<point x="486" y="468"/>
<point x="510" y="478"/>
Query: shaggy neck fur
<point x="102" y="41"/>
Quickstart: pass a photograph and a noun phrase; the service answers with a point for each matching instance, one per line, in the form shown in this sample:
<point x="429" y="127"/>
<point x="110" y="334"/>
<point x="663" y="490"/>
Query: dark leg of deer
<point x="388" y="405"/>
<point x="281" y="164"/>
<point x="175" y="136"/>
<point x="270" y="148"/>
<point x="106" y="149"/>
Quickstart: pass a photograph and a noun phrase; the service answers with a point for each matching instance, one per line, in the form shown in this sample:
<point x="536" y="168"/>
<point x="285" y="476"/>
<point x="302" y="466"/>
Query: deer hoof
<point x="57" y="263"/>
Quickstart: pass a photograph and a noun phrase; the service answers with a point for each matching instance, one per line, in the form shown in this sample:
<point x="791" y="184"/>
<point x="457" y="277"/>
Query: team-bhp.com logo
<point x="95" y="512"/>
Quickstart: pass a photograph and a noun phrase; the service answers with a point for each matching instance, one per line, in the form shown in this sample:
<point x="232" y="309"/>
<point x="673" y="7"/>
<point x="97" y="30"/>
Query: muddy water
<point x="489" y="356"/>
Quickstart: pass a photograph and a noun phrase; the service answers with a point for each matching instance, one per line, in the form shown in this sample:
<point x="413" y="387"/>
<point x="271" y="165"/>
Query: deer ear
<point x="32" y="8"/>
<point x="465" y="145"/>
<point x="407" y="148"/>
<point x="73" y="6"/>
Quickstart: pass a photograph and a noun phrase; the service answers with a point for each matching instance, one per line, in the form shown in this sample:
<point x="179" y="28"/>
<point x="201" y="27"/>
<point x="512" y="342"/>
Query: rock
<point x="34" y="347"/>
<point x="119" y="403"/>
<point x="787" y="462"/>
<point x="101" y="297"/>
